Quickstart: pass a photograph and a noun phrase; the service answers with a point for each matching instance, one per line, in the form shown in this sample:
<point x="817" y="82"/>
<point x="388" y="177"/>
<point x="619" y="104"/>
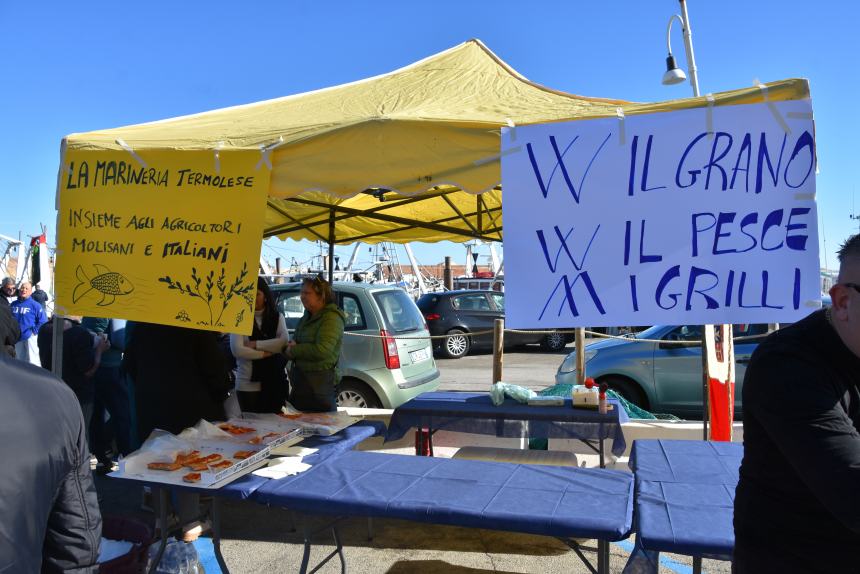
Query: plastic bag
<point x="520" y="394"/>
<point x="179" y="558"/>
<point x="497" y="393"/>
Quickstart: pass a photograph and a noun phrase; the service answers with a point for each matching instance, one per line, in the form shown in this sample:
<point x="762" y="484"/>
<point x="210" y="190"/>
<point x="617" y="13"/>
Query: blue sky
<point x="81" y="66"/>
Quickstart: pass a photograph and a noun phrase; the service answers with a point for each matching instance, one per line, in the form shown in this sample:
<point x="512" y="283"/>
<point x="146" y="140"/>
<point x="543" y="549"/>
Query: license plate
<point x="419" y="355"/>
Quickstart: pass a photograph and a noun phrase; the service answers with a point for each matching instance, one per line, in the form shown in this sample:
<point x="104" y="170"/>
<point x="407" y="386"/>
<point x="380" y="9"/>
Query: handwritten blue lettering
<point x="559" y="155"/>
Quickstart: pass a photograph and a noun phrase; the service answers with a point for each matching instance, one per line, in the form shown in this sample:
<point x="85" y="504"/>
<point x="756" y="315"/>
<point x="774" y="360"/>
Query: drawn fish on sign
<point x="106" y="282"/>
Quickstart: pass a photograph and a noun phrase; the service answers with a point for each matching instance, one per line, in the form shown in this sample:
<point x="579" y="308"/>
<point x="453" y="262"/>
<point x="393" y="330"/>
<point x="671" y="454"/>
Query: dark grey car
<point x="467" y="316"/>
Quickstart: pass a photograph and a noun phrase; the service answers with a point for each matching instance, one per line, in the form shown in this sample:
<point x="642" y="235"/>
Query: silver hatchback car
<point x="390" y="367"/>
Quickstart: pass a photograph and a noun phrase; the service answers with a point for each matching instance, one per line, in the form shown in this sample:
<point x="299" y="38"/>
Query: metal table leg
<point x="215" y="510"/>
<point x="162" y="519"/>
<point x="308" y="541"/>
<point x="602" y="456"/>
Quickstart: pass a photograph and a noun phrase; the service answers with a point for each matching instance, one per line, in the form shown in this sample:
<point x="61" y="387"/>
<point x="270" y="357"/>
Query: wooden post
<point x="498" y="349"/>
<point x="579" y="341"/>
<point x="447" y="276"/>
<point x="278" y="265"/>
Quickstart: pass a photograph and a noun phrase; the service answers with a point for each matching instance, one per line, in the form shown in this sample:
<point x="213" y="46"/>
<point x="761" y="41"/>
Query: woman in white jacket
<point x="261" y="379"/>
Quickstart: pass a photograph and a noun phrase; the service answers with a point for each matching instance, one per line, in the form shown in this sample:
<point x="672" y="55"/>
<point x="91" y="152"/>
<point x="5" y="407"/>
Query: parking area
<point x="528" y="366"/>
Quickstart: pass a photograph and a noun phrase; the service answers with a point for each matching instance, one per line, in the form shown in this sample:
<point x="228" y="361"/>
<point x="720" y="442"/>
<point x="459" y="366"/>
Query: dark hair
<point x="321" y="287"/>
<point x="270" y="311"/>
<point x="851" y="248"/>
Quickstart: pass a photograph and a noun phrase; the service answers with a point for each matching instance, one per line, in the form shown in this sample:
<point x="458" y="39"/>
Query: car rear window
<point x="290" y="304"/>
<point x="398" y="311"/>
<point x="471" y="302"/>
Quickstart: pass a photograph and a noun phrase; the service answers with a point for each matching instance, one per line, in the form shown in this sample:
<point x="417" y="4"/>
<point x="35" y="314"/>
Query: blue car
<point x="663" y="376"/>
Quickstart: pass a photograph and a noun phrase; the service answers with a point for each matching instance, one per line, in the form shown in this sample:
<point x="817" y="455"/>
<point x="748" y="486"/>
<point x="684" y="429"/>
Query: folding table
<point x="564" y="502"/>
<point x="685" y="492"/>
<point x="475" y="413"/>
<point x="244" y="487"/>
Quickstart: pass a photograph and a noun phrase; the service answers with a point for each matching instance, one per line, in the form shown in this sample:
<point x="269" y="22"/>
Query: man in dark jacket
<point x="40" y="296"/>
<point x="50" y="515"/>
<point x="81" y="358"/>
<point x="10" y="331"/>
<point x="797" y="504"/>
<point x="111" y="394"/>
<point x="179" y="377"/>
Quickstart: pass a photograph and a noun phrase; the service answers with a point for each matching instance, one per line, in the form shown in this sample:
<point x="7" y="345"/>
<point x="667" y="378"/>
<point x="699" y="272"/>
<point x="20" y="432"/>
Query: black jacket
<point x="49" y="513"/>
<point x="179" y="376"/>
<point x="78" y="356"/>
<point x="10" y="331"/>
<point x="797" y="504"/>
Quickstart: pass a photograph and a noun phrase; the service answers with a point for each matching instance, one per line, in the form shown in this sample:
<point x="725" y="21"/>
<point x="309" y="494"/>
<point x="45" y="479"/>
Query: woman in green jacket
<point x="315" y="349"/>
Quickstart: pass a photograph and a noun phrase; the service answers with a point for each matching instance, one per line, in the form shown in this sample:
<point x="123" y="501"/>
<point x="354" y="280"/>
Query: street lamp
<point x="674" y="74"/>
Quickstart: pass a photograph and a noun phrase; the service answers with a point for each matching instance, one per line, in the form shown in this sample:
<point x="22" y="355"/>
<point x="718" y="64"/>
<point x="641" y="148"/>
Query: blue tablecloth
<point x="685" y="492"/>
<point x="242" y="488"/>
<point x="553" y="501"/>
<point x="475" y="413"/>
<point x="692" y="461"/>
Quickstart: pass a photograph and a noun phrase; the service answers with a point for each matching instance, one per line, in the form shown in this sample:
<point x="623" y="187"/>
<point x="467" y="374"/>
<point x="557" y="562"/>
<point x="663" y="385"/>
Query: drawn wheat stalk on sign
<point x="213" y="290"/>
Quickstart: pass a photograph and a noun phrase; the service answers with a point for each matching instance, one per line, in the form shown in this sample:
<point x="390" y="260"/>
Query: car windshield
<point x="398" y="311"/>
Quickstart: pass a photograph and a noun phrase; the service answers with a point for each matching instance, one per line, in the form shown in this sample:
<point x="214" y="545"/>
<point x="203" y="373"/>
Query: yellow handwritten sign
<point x="169" y="237"/>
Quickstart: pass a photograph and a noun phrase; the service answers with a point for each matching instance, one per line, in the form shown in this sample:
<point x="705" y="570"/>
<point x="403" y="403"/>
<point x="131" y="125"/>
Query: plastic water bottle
<point x="178" y="558"/>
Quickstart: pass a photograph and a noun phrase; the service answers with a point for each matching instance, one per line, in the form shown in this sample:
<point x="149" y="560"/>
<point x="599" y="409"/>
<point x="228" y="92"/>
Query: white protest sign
<point x="650" y="219"/>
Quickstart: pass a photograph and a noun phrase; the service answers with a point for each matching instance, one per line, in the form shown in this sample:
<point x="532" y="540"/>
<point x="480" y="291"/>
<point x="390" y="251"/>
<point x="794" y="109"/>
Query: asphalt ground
<point x="256" y="538"/>
<point x="528" y="366"/>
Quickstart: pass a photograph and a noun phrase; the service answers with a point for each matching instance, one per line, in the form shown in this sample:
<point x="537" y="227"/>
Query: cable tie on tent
<point x="218" y="157"/>
<point x="266" y="151"/>
<point x="121" y="143"/>
<point x="622" y="137"/>
<point x="513" y="129"/>
<point x="709" y="116"/>
<point x="777" y="116"/>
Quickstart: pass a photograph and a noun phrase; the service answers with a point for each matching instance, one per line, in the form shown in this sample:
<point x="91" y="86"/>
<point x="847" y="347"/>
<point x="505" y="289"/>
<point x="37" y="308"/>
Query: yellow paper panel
<point x="176" y="242"/>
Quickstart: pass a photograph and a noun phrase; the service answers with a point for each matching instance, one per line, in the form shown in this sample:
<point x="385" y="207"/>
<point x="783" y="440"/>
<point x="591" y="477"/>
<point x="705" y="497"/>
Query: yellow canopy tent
<point x="412" y="155"/>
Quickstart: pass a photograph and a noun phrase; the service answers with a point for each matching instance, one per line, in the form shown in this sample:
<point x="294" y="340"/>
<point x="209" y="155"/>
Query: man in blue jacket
<point x="31" y="316"/>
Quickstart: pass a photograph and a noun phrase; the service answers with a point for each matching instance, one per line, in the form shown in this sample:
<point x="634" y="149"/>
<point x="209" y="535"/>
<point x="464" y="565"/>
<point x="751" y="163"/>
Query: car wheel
<point x="629" y="390"/>
<point x="352" y="393"/>
<point x="456" y="344"/>
<point x="553" y="342"/>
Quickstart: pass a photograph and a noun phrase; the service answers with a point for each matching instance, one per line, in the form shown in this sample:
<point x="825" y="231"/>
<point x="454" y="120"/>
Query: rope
<point x="593" y="334"/>
<point x="447" y="336"/>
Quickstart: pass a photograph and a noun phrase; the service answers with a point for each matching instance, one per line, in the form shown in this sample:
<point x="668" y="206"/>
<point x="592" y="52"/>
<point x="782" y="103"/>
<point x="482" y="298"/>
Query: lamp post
<point x="674" y="74"/>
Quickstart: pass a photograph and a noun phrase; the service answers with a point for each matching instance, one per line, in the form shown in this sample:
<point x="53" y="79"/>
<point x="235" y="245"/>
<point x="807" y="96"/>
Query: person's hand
<point x="266" y="354"/>
<point x="290" y="345"/>
<point x="251" y="344"/>
<point x="104" y="344"/>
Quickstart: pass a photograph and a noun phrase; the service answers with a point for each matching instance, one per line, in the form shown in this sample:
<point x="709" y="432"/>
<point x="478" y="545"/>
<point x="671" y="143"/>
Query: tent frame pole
<point x="331" y="247"/>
